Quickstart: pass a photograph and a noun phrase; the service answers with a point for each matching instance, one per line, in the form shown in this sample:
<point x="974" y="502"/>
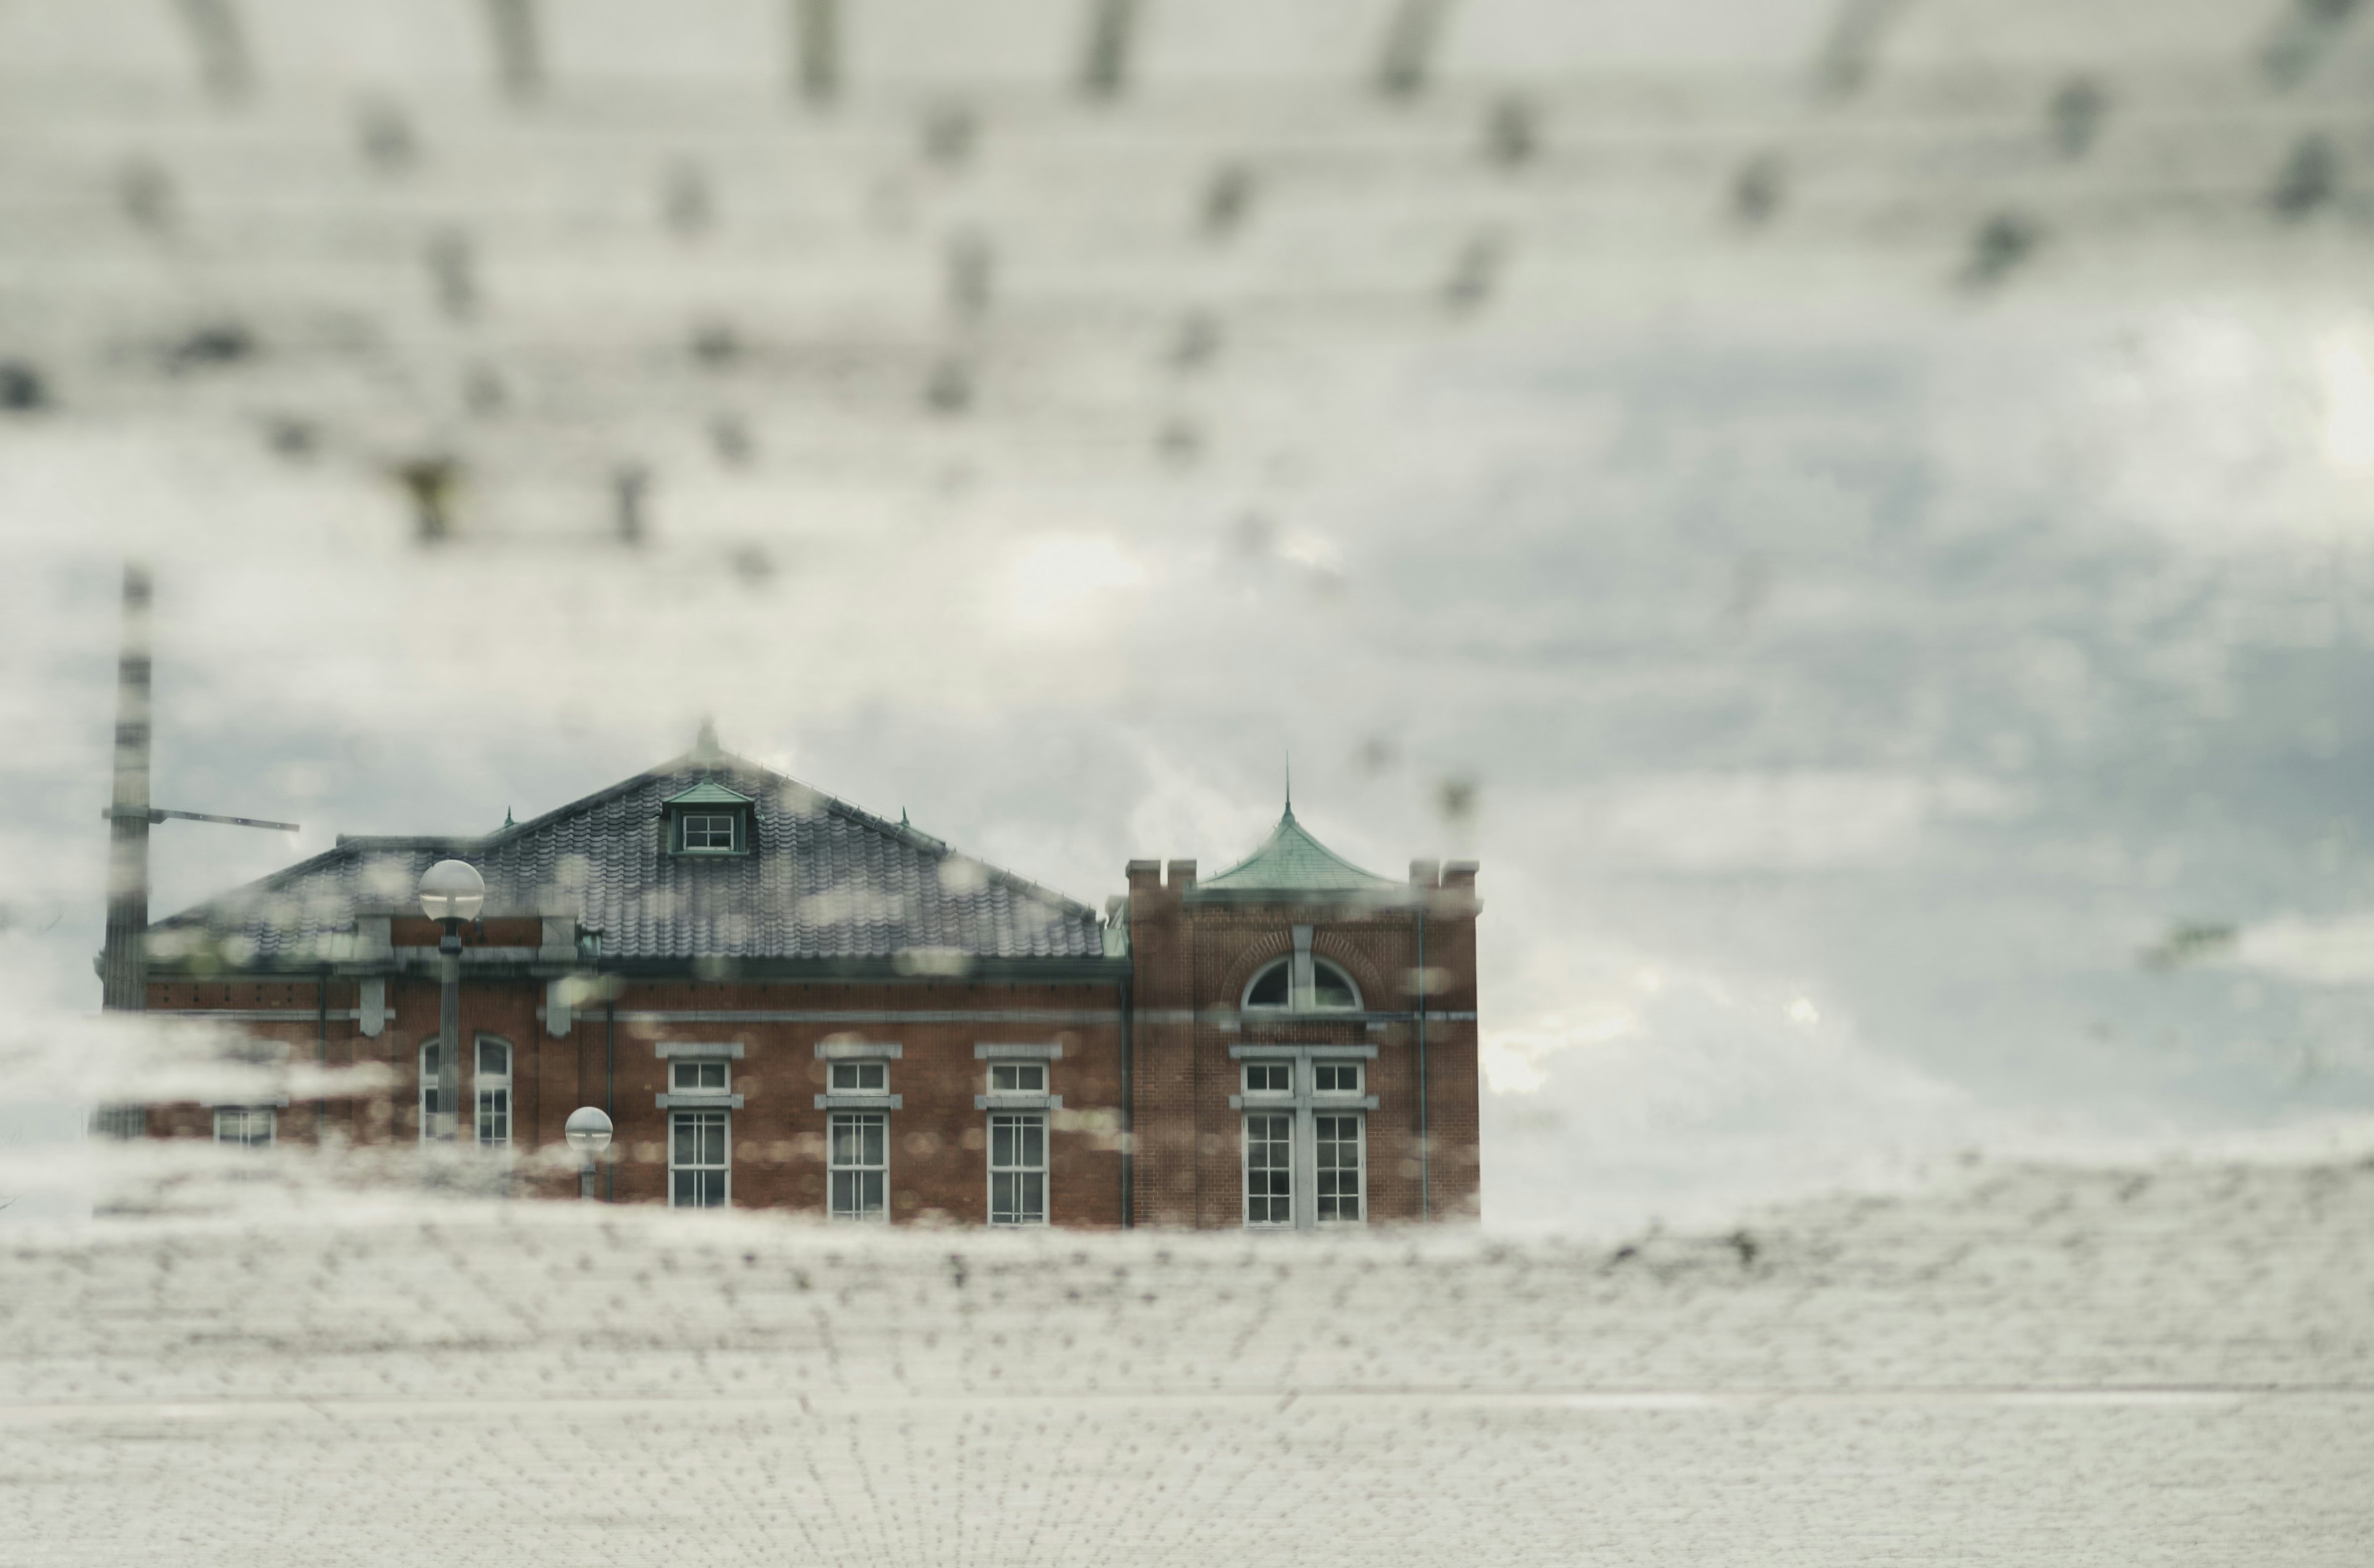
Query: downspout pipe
<point x="609" y="1082"/>
<point x="320" y="1048"/>
<point x="1128" y="1104"/>
<point x="1425" y="1148"/>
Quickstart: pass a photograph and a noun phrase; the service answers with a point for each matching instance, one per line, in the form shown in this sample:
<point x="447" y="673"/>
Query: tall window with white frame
<point x="428" y="1063"/>
<point x="699" y="1176"/>
<point x="247" y="1126"/>
<point x="494" y="1087"/>
<point x="1269" y="1145"/>
<point x="1339" y="1145"/>
<point x="1018" y="1169"/>
<point x="860" y="1160"/>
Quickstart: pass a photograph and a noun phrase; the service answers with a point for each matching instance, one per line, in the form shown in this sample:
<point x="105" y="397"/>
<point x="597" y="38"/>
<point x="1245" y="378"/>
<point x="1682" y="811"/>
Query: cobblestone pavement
<point x="2038" y="1364"/>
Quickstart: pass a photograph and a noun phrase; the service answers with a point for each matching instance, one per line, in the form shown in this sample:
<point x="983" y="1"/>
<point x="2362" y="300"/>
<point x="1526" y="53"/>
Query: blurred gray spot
<point x="1757" y="190"/>
<point x="629" y="488"/>
<point x="2002" y="243"/>
<point x="1476" y="272"/>
<point x="1850" y="50"/>
<point x="2076" y="116"/>
<point x="948" y="389"/>
<point x="1455" y="799"/>
<point x="430" y="481"/>
<point x="715" y="345"/>
<point x="292" y="438"/>
<point x="971" y="265"/>
<point x="1181" y="441"/>
<point x="1104" y="64"/>
<point x="518" y="51"/>
<point x="216" y="37"/>
<point x="950" y="131"/>
<point x="2310" y="177"/>
<point x="147" y="192"/>
<point x="1375" y="755"/>
<point x="752" y="566"/>
<point x="386" y="139"/>
<point x="816" y="43"/>
<point x="2302" y="36"/>
<point x="1255" y="536"/>
<point x="483" y="390"/>
<point x="1197" y="340"/>
<point x="1225" y="198"/>
<point x="687" y="205"/>
<point x="452" y="273"/>
<point x="1512" y="132"/>
<point x="22" y="388"/>
<point x="212" y="346"/>
<point x="729" y="437"/>
<point x="1407" y="57"/>
<point x="2187" y="943"/>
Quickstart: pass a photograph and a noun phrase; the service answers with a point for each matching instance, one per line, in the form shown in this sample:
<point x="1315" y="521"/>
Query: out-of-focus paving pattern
<point x="2038" y="1364"/>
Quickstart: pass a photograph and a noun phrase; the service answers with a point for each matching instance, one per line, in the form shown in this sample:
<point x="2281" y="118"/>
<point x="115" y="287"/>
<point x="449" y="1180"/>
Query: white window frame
<point x="1270" y="1221"/>
<point x="1265" y="1068"/>
<point x="485" y="1085"/>
<point x="1320" y="1197"/>
<point x="731" y="821"/>
<point x="1026" y="1077"/>
<point x="1320" y="1066"/>
<point x="426" y="1099"/>
<point x="834" y="1166"/>
<point x="240" y="1121"/>
<point x="694" y="1069"/>
<point x="1020" y="1170"/>
<point x="857" y="1070"/>
<point x="724" y="1121"/>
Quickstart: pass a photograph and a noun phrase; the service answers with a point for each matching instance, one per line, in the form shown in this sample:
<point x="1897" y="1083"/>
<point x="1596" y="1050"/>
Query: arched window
<point x="1331" y="989"/>
<point x="494" y="1091"/>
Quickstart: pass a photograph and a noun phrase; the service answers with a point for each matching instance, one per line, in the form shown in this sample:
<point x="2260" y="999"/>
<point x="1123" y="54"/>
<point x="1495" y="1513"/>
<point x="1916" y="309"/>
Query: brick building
<point x="784" y="1001"/>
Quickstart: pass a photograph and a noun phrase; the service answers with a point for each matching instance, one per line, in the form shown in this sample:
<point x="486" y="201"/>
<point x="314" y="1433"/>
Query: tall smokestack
<point x="123" y="966"/>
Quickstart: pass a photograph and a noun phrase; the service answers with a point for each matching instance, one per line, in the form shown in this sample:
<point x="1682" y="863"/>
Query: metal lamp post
<point x="451" y="893"/>
<point x="588" y="1131"/>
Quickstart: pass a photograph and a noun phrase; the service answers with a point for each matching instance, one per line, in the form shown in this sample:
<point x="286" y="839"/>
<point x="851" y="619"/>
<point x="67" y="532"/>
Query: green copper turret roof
<point x="1290" y="860"/>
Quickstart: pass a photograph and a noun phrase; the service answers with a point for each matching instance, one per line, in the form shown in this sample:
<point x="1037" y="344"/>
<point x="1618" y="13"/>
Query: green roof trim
<point x="1290" y="860"/>
<point x="708" y="792"/>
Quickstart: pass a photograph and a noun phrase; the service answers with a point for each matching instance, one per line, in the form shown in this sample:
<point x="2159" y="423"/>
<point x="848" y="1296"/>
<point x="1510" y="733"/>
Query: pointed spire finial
<point x="507" y="818"/>
<point x="704" y="745"/>
<point x="1290" y="783"/>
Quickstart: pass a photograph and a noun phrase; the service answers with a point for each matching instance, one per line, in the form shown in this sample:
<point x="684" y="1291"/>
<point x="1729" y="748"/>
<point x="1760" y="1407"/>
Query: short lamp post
<point x="451" y="893"/>
<point x="588" y="1131"/>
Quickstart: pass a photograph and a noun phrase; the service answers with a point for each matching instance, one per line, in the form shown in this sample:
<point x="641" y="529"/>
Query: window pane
<point x="1332" y="987"/>
<point x="1336" y="1152"/>
<point x="688" y="1142"/>
<point x="870" y="1184"/>
<point x="1034" y="1142"/>
<point x="1269" y="990"/>
<point x="1269" y="1167"/>
<point x="1034" y="1198"/>
<point x="494" y="1057"/>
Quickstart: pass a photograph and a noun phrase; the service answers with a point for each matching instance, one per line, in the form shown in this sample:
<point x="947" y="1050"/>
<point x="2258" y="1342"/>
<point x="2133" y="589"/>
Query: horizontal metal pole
<point x="155" y="813"/>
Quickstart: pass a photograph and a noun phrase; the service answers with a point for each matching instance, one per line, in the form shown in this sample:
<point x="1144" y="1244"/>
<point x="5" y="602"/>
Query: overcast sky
<point x="1845" y="672"/>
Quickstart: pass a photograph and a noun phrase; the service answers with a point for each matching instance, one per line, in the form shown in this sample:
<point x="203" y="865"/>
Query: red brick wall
<point x="938" y="1158"/>
<point x="1196" y="959"/>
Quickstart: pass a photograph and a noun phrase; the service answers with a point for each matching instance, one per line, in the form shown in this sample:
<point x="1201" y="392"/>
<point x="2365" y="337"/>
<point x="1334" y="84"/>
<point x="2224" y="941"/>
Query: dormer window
<point x="708" y="831"/>
<point x="708" y="819"/>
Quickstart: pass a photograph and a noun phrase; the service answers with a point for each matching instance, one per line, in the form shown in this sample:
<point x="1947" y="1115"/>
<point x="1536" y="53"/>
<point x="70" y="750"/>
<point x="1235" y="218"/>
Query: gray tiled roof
<point x="825" y="880"/>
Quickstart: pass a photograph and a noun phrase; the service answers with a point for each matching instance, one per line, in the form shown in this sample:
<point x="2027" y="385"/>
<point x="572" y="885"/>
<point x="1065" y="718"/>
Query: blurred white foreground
<point x="2038" y="1364"/>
